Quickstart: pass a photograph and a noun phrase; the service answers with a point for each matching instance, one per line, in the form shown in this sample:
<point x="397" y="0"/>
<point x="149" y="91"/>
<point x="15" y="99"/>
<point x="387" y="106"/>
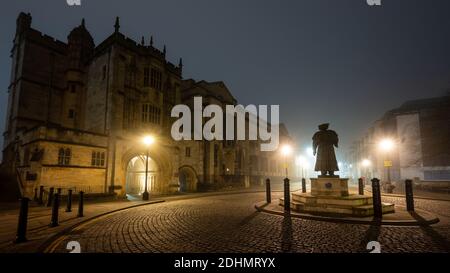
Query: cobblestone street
<point x="229" y="223"/>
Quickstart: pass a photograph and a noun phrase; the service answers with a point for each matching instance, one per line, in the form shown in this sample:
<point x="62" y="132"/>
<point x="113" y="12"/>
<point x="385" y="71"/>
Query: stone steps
<point x="350" y="210"/>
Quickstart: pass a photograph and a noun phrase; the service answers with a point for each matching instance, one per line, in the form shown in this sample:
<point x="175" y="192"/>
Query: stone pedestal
<point x="329" y="186"/>
<point x="330" y="195"/>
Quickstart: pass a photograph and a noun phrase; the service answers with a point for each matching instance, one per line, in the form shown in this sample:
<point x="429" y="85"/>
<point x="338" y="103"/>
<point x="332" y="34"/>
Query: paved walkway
<point x="229" y="223"/>
<point x="39" y="217"/>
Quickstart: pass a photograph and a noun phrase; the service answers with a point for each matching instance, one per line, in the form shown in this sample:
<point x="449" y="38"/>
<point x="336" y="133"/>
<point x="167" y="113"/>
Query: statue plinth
<point x="330" y="196"/>
<point x="327" y="185"/>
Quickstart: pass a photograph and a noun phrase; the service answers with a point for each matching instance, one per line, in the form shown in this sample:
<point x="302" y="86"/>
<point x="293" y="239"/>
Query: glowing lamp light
<point x="386" y="145"/>
<point x="366" y="163"/>
<point x="148" y="140"/>
<point x="286" y="150"/>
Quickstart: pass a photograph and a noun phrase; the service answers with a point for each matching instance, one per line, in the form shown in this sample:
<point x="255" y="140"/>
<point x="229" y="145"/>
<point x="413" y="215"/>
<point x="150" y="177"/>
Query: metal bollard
<point x="80" y="204"/>
<point x="287" y="195"/>
<point x="35" y="197"/>
<point x="409" y="195"/>
<point x="360" y="186"/>
<point x="303" y="185"/>
<point x="268" y="193"/>
<point x="58" y="190"/>
<point x="41" y="195"/>
<point x="50" y="197"/>
<point x="376" y="194"/>
<point x="69" y="201"/>
<point x="21" y="235"/>
<point x="55" y="210"/>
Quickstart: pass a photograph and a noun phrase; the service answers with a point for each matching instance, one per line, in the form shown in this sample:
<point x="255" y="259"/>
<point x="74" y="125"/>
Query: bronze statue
<point x="323" y="142"/>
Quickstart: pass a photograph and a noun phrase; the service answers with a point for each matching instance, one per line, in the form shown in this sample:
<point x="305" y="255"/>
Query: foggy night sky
<point x="342" y="62"/>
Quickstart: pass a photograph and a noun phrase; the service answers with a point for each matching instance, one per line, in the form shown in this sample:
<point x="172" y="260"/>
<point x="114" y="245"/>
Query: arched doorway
<point x="188" y="179"/>
<point x="135" y="179"/>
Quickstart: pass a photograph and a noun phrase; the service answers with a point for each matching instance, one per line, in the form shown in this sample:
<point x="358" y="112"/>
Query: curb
<point x="260" y="208"/>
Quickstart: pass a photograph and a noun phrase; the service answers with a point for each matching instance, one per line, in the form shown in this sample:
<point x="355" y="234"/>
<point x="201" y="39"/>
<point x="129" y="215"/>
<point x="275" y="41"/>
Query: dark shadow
<point x="437" y="239"/>
<point x="372" y="234"/>
<point x="248" y="218"/>
<point x="286" y="233"/>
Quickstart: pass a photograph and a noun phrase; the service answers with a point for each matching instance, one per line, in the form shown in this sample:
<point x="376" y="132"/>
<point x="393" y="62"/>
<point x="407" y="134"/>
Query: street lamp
<point x="386" y="145"/>
<point x="286" y="150"/>
<point x="147" y="140"/>
<point x="366" y="164"/>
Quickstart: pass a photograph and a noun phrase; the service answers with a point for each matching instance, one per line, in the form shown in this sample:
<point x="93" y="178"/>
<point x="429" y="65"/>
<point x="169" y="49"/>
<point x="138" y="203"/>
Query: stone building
<point x="420" y="130"/>
<point x="77" y="113"/>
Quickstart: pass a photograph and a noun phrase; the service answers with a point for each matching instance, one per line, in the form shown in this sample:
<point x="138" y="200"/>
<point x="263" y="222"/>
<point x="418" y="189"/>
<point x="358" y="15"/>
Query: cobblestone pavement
<point x="229" y="223"/>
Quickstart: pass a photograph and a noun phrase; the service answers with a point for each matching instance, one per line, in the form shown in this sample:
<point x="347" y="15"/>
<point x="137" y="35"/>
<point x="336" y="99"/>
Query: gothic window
<point x="98" y="159"/>
<point x="238" y="160"/>
<point x="17" y="158"/>
<point x="26" y="156"/>
<point x="146" y="76"/>
<point x="150" y="114"/>
<point x="104" y="72"/>
<point x="156" y="79"/>
<point x="71" y="113"/>
<point x="64" y="156"/>
<point x="216" y="154"/>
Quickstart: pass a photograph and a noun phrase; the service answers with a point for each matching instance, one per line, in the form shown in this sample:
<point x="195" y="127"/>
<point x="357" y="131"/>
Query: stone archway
<point x="187" y="179"/>
<point x="135" y="176"/>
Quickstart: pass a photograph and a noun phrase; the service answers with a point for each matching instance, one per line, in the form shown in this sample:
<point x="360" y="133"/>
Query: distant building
<point x="420" y="130"/>
<point x="77" y="113"/>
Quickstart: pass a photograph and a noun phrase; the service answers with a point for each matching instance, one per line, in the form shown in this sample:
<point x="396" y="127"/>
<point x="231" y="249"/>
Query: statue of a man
<point x="323" y="142"/>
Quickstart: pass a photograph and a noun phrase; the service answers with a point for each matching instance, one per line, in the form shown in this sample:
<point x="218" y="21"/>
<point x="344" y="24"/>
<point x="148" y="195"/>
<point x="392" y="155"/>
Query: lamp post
<point x="148" y="140"/>
<point x="286" y="150"/>
<point x="366" y="164"/>
<point x="386" y="145"/>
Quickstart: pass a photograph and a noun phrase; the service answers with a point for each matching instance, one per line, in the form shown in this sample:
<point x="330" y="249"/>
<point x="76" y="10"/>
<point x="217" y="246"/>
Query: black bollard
<point x="50" y="197"/>
<point x="69" y="201"/>
<point x="360" y="186"/>
<point x="35" y="197"/>
<point x="409" y="195"/>
<point x="41" y="195"/>
<point x="80" y="204"/>
<point x="303" y="185"/>
<point x="23" y="219"/>
<point x="376" y="194"/>
<point x="287" y="195"/>
<point x="58" y="190"/>
<point x="55" y="210"/>
<point x="268" y="193"/>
